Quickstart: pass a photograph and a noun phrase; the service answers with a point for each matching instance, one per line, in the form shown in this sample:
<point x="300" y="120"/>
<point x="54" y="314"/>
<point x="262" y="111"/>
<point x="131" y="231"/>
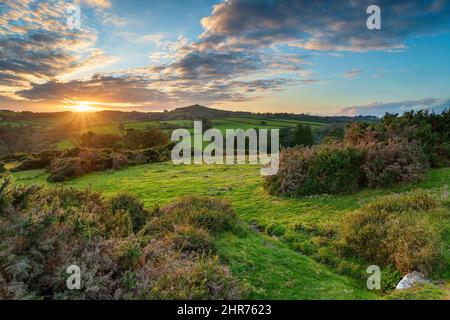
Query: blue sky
<point x="257" y="55"/>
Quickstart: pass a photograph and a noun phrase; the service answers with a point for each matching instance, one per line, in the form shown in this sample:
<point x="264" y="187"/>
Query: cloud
<point x="381" y="108"/>
<point x="114" y="19"/>
<point x="236" y="58"/>
<point x="104" y="88"/>
<point x="102" y="4"/>
<point x="319" y="25"/>
<point x="140" y="92"/>
<point x="351" y="74"/>
<point x="43" y="47"/>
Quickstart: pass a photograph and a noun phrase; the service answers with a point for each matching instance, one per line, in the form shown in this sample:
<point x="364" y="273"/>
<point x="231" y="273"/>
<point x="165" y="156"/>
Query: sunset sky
<point x="299" y="56"/>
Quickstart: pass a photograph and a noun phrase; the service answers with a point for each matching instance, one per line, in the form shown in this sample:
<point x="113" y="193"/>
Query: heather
<point x="45" y="230"/>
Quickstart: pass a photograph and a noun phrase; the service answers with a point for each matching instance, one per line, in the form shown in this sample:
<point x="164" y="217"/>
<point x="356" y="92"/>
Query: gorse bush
<point x="87" y="160"/>
<point x="190" y="238"/>
<point x="134" y="207"/>
<point x="43" y="231"/>
<point x="326" y="168"/>
<point x="370" y="155"/>
<point x="404" y="231"/>
<point x="394" y="161"/>
<point x="68" y="164"/>
<point x="38" y="160"/>
<point x="335" y="169"/>
<point x="428" y="128"/>
<point x="210" y="214"/>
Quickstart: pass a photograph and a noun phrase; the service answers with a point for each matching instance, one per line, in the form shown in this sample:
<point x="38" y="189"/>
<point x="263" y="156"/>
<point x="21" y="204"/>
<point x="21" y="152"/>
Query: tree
<point x="121" y="127"/>
<point x="142" y="139"/>
<point x="206" y="125"/>
<point x="303" y="135"/>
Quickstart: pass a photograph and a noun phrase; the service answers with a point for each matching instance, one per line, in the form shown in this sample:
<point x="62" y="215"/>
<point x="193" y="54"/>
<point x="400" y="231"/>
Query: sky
<point x="298" y="56"/>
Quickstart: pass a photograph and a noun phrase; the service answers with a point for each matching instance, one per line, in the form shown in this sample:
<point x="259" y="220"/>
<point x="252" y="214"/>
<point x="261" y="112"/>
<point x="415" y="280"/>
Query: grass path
<point x="274" y="271"/>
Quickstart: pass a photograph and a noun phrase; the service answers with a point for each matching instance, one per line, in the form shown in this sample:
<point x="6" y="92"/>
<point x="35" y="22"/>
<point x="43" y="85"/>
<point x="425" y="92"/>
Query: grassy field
<point x="256" y="255"/>
<point x="221" y="124"/>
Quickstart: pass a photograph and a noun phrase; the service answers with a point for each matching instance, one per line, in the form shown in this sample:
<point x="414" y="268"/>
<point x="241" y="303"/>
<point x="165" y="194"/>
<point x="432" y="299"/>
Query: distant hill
<point x="196" y="112"/>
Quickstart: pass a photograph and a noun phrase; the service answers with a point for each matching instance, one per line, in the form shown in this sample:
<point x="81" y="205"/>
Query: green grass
<point x="273" y="271"/>
<point x="221" y="124"/>
<point x="268" y="266"/>
<point x="108" y="128"/>
<point x="426" y="292"/>
<point x="249" y="123"/>
<point x="278" y="123"/>
<point x="244" y="123"/>
<point x="41" y="123"/>
<point x="67" y="143"/>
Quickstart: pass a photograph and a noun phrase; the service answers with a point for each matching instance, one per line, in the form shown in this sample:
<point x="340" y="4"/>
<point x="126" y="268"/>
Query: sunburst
<point x="83" y="107"/>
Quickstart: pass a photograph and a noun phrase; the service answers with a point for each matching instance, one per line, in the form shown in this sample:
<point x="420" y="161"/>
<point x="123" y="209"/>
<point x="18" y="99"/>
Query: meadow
<point x="264" y="248"/>
<point x="113" y="127"/>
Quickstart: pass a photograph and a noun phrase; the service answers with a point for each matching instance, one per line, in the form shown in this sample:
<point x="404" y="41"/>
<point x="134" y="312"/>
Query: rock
<point x="410" y="280"/>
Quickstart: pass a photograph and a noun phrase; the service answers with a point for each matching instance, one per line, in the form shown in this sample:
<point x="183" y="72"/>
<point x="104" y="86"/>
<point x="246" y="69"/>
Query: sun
<point x="82" y="108"/>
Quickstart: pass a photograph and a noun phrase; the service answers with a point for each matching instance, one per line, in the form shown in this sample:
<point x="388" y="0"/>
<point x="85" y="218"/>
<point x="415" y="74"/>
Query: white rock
<point x="410" y="280"/>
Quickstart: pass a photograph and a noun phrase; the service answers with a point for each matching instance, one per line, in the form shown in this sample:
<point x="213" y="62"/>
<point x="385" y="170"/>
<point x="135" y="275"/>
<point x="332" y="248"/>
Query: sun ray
<point x="82" y="107"/>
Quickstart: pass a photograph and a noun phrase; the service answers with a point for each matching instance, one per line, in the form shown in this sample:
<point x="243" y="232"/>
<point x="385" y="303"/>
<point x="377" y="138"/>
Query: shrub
<point x="64" y="169"/>
<point x="302" y="135"/>
<point x="142" y="139"/>
<point x="201" y="279"/>
<point x="98" y="141"/>
<point x="118" y="225"/>
<point x="213" y="215"/>
<point x="292" y="171"/>
<point x="402" y="231"/>
<point x="390" y="277"/>
<point x="419" y="200"/>
<point x="119" y="160"/>
<point x="38" y="160"/>
<point x="71" y="163"/>
<point x="2" y="168"/>
<point x="327" y="168"/>
<point x="428" y="128"/>
<point x="157" y="154"/>
<point x="190" y="238"/>
<point x="75" y="163"/>
<point x="134" y="207"/>
<point x="335" y="169"/>
<point x="394" y="161"/>
<point x="14" y="157"/>
<point x="43" y="231"/>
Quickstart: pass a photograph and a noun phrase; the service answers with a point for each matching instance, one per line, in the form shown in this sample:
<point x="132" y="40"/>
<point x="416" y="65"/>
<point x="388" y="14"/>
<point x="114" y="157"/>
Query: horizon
<point x="237" y="55"/>
<point x="185" y="107"/>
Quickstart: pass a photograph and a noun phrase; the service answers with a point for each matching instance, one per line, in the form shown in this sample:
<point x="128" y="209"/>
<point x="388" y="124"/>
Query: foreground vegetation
<point x="123" y="250"/>
<point x="269" y="245"/>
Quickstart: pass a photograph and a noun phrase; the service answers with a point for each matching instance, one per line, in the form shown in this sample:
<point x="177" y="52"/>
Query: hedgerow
<point x="71" y="163"/>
